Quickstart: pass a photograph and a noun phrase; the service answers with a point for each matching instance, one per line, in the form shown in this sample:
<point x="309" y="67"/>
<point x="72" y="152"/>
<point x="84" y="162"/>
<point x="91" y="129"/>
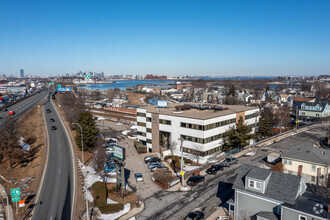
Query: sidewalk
<point x="223" y="212"/>
<point x="3" y="196"/>
<point x="132" y="212"/>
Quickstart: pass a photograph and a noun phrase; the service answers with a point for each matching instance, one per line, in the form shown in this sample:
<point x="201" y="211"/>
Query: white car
<point x="138" y="177"/>
<point x="119" y="123"/>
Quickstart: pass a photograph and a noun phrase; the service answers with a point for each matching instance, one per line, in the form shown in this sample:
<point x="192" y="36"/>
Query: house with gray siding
<point x="262" y="194"/>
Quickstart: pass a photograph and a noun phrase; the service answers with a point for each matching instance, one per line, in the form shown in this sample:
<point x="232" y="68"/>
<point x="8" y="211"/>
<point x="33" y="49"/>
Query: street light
<point x="8" y="212"/>
<point x="82" y="142"/>
<point x="87" y="217"/>
<point x="182" y="173"/>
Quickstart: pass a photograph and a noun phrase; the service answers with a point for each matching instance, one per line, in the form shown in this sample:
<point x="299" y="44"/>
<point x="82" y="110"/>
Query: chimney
<point x="300" y="170"/>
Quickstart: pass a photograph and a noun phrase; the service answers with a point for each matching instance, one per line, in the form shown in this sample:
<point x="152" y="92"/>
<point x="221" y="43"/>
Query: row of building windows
<point x="288" y="162"/>
<point x="149" y="141"/>
<point x="149" y="130"/>
<point x="201" y="153"/>
<point x="141" y="124"/>
<point x="202" y="140"/>
<point x="165" y="122"/>
<point x="253" y="115"/>
<point x="141" y="114"/>
<point x="208" y="127"/>
<point x="141" y="133"/>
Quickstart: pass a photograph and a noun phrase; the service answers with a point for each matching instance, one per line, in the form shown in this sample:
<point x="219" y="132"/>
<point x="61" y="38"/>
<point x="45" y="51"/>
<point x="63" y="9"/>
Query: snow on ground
<point x="124" y="132"/>
<point x="110" y="201"/>
<point x="133" y="218"/>
<point x="190" y="168"/>
<point x="126" y="209"/>
<point x="90" y="177"/>
<point x="133" y="127"/>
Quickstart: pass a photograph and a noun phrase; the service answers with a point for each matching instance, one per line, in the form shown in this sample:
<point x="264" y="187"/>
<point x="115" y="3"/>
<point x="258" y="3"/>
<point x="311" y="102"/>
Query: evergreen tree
<point x="86" y="120"/>
<point x="265" y="127"/>
<point x="237" y="137"/>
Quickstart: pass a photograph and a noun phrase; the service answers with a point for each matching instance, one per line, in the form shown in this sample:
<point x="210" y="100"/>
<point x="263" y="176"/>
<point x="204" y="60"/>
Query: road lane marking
<point x="59" y="171"/>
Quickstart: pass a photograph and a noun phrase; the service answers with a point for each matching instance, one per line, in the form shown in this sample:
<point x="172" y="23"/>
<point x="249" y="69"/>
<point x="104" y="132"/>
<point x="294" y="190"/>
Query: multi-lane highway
<point x="55" y="199"/>
<point x="22" y="106"/>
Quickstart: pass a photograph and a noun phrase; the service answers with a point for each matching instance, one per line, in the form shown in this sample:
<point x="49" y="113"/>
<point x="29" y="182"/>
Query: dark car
<point x="214" y="169"/>
<point x="152" y="160"/>
<point x="54" y="127"/>
<point x="194" y="180"/>
<point x="5" y="109"/>
<point x="52" y="120"/>
<point x="48" y="110"/>
<point x="228" y="161"/>
<point x="197" y="215"/>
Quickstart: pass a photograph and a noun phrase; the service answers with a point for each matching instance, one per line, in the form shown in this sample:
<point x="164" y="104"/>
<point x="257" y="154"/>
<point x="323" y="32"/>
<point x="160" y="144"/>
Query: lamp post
<point x="8" y="212"/>
<point x="87" y="215"/>
<point x="82" y="142"/>
<point x="182" y="173"/>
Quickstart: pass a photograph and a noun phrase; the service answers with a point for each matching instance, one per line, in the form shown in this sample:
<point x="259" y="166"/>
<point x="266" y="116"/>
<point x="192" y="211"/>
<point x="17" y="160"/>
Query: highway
<point x="55" y="198"/>
<point x="22" y="106"/>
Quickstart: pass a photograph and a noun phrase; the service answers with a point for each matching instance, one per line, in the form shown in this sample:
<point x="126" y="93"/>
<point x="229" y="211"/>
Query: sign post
<point x="15" y="196"/>
<point x="119" y="154"/>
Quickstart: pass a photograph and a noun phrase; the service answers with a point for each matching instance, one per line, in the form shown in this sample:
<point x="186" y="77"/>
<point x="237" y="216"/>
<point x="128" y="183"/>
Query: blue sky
<point x="218" y="38"/>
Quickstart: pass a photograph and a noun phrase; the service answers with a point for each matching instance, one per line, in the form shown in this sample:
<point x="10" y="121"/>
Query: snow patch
<point x="110" y="201"/>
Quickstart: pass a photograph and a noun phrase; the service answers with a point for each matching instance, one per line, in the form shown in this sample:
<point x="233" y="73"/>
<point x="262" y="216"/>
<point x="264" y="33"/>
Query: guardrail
<point x="18" y="100"/>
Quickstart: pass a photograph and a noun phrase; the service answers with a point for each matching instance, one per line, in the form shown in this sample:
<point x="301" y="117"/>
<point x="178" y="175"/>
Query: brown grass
<point x="32" y="128"/>
<point x="134" y="98"/>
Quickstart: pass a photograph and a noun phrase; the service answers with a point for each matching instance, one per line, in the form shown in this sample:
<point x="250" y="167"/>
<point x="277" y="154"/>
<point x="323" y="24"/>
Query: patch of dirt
<point x="26" y="175"/>
<point x="135" y="98"/>
<point x="130" y="197"/>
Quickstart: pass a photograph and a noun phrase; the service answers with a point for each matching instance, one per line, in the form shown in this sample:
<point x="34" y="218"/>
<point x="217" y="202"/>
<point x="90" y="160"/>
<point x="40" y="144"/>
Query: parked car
<point x="151" y="165"/>
<point x="159" y="167"/>
<point x="214" y="169"/>
<point x="152" y="160"/>
<point x="48" y="110"/>
<point x="52" y="120"/>
<point x="108" y="167"/>
<point x="11" y="112"/>
<point x="5" y="109"/>
<point x="108" y="150"/>
<point x="228" y="161"/>
<point x="194" y="180"/>
<point x="196" y="215"/>
<point x="138" y="177"/>
<point x="54" y="127"/>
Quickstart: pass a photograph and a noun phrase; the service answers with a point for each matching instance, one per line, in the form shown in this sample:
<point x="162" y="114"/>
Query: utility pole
<point x="8" y="212"/>
<point x="82" y="143"/>
<point x="87" y="212"/>
<point x="296" y="118"/>
<point x="182" y="173"/>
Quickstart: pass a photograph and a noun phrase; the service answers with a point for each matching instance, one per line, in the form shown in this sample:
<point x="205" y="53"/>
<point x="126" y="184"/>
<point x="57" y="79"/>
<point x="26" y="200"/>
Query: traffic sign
<point x="15" y="192"/>
<point x="21" y="203"/>
<point x="296" y="122"/>
<point x="15" y="198"/>
<point x="59" y="85"/>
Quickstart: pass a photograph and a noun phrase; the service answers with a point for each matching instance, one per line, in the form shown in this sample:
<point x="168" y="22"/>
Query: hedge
<point x="140" y="148"/>
<point x="101" y="193"/>
<point x="176" y="160"/>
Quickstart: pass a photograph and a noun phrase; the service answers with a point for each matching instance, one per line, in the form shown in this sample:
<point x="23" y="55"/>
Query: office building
<point x="22" y="73"/>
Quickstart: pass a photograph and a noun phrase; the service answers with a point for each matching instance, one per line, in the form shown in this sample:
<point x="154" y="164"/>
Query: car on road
<point x="138" y="177"/>
<point x="5" y="109"/>
<point x="48" y="110"/>
<point x="11" y="112"/>
<point x="52" y="120"/>
<point x="194" y="180"/>
<point x="196" y="215"/>
<point x="54" y="127"/>
<point x="152" y="160"/>
<point x="159" y="167"/>
<point x="214" y="169"/>
<point x="228" y="161"/>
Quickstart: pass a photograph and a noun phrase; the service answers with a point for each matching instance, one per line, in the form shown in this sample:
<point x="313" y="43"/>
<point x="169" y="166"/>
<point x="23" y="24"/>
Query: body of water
<point x="122" y="84"/>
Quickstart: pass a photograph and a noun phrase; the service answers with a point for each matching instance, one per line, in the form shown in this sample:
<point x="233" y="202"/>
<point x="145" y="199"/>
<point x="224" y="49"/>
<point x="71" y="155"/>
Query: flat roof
<point x="196" y="113"/>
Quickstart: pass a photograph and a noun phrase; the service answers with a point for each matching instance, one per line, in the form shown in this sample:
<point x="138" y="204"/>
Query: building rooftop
<point x="197" y="113"/>
<point x="309" y="154"/>
<point x="281" y="187"/>
<point x="260" y="174"/>
<point x="311" y="204"/>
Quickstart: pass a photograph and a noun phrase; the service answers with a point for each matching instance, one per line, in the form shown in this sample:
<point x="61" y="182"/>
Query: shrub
<point x="176" y="160"/>
<point x="163" y="177"/>
<point x="140" y="148"/>
<point x="101" y="193"/>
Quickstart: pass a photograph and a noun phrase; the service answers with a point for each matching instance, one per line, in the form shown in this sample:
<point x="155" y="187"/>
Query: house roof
<point x="281" y="187"/>
<point x="309" y="154"/>
<point x="311" y="204"/>
<point x="303" y="99"/>
<point x="267" y="215"/>
<point x="260" y="174"/>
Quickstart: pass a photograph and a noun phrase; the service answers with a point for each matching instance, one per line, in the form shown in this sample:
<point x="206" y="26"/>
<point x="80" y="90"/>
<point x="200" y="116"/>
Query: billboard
<point x="119" y="152"/>
<point x="162" y="104"/>
<point x="64" y="89"/>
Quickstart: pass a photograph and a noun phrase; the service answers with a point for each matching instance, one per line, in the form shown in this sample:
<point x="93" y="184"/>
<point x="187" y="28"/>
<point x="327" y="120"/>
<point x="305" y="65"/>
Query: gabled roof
<point x="281" y="187"/>
<point x="309" y="154"/>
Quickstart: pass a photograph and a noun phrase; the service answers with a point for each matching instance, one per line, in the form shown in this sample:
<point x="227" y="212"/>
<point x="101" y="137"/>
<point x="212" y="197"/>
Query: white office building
<point x="201" y="126"/>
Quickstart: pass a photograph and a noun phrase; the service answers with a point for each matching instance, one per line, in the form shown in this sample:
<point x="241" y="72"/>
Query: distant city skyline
<point x="204" y="38"/>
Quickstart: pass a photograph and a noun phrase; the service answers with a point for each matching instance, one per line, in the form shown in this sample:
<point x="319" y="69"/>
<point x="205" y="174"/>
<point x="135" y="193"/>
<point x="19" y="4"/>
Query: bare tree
<point x="172" y="145"/>
<point x="282" y="117"/>
<point x="72" y="106"/>
<point x="100" y="155"/>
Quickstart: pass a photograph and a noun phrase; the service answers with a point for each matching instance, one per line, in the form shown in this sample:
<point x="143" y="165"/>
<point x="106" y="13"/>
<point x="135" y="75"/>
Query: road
<point x="23" y="105"/>
<point x="57" y="185"/>
<point x="209" y="195"/>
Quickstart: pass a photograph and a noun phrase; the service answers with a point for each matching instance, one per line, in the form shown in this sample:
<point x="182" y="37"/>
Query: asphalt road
<point x="22" y="106"/>
<point x="209" y="195"/>
<point x="56" y="195"/>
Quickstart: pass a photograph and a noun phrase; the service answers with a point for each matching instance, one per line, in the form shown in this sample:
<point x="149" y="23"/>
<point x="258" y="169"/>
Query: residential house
<point x="312" y="111"/>
<point x="262" y="194"/>
<point x="314" y="163"/>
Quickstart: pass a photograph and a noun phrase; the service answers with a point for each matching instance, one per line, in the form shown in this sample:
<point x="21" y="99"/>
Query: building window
<point x="149" y="130"/>
<point x="141" y="133"/>
<point x="290" y="162"/>
<point x="141" y="114"/>
<point x="148" y="119"/>
<point x="141" y="124"/>
<point x="165" y="122"/>
<point x="313" y="179"/>
<point x="317" y="115"/>
<point x="255" y="184"/>
<point x="301" y="217"/>
<point x="302" y="113"/>
<point x="313" y="168"/>
<point x="285" y="161"/>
